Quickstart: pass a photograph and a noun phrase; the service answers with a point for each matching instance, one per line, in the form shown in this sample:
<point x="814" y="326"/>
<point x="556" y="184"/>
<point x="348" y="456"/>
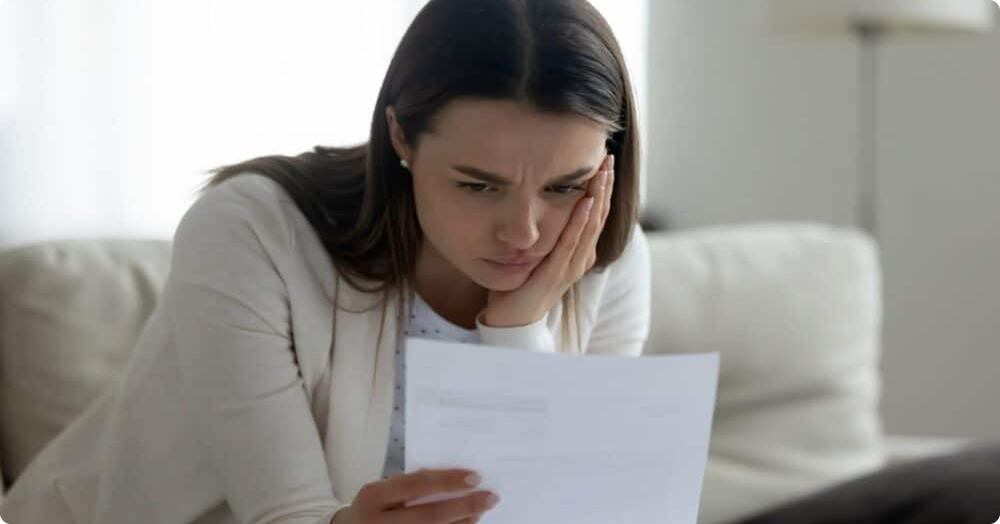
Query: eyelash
<point x="468" y="186"/>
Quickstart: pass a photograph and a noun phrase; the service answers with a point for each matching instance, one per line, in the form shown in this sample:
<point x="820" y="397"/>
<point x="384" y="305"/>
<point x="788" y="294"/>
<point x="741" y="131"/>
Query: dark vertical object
<point x="867" y="190"/>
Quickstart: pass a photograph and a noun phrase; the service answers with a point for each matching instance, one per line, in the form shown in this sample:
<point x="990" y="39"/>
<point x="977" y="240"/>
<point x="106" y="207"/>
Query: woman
<point x="494" y="203"/>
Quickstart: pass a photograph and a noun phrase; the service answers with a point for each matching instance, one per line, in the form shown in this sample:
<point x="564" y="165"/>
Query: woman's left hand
<point x="573" y="255"/>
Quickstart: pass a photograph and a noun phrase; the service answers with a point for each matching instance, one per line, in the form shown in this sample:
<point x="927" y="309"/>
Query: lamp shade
<point x="907" y="15"/>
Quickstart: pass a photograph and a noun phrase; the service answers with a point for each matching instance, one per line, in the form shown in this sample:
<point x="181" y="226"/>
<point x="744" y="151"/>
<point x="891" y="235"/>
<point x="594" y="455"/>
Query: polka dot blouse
<point x="422" y="322"/>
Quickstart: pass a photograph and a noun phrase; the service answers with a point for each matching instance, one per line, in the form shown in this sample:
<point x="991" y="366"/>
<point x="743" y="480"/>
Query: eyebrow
<point x="498" y="180"/>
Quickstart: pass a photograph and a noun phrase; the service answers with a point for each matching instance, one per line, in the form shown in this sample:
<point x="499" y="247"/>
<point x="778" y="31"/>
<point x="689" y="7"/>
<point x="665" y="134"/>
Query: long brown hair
<point x="559" y="56"/>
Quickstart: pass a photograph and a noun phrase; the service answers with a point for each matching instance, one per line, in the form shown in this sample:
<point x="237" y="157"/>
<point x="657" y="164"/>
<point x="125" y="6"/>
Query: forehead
<point x="498" y="131"/>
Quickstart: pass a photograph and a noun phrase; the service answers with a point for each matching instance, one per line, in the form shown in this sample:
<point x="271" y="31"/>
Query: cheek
<point x="447" y="223"/>
<point x="554" y="224"/>
<point x="430" y="205"/>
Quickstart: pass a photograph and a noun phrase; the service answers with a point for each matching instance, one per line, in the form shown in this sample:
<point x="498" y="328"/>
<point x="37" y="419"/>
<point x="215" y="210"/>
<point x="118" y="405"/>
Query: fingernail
<point x="588" y="203"/>
<point x="473" y="479"/>
<point x="492" y="500"/>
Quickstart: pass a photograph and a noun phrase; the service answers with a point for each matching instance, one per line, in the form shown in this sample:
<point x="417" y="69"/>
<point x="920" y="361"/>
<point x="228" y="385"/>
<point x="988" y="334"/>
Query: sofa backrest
<point x="70" y="312"/>
<point x="794" y="309"/>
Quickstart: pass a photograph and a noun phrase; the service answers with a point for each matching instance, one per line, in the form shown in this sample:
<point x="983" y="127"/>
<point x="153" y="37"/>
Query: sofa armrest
<point x="903" y="448"/>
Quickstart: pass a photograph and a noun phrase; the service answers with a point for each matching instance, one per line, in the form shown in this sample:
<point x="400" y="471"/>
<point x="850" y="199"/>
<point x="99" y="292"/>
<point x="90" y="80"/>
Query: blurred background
<point x="111" y="111"/>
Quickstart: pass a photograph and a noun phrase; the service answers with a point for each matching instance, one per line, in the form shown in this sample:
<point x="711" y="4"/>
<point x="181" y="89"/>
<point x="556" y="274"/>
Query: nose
<point x="519" y="229"/>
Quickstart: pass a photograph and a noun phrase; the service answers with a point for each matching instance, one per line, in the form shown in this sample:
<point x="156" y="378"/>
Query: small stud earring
<point x="404" y="163"/>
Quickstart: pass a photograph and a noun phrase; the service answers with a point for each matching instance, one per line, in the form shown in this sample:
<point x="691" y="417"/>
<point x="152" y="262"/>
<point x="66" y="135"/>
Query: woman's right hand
<point x="384" y="502"/>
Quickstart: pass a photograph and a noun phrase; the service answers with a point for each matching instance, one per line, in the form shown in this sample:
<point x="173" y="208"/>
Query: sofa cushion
<point x="794" y="309"/>
<point x="70" y="312"/>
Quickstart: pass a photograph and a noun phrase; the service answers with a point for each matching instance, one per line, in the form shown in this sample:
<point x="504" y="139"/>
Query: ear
<point x="397" y="136"/>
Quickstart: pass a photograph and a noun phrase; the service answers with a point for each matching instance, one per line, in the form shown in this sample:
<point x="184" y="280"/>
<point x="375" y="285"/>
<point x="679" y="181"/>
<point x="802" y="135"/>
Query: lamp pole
<point x="866" y="210"/>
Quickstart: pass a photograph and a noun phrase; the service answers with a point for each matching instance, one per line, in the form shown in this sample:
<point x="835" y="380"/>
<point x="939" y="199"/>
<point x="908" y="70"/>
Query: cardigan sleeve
<point x="533" y="337"/>
<point x="622" y="324"/>
<point x="229" y="318"/>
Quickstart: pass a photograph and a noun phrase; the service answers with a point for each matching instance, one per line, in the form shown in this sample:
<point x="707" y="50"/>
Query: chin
<point x="495" y="281"/>
<point x="509" y="284"/>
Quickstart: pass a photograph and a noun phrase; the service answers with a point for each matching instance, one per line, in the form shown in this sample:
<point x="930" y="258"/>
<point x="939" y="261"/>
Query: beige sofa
<point x="793" y="308"/>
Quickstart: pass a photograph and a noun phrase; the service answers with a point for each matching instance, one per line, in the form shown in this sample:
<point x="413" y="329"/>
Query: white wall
<point x="940" y="154"/>
<point x="748" y="125"/>
<point x="112" y="110"/>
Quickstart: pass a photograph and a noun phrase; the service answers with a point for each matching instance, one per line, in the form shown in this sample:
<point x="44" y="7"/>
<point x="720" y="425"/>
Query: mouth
<point x="523" y="261"/>
<point x="522" y="265"/>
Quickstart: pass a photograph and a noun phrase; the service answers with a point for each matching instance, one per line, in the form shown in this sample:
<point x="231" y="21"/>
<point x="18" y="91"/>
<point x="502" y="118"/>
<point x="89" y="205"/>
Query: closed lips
<point x="520" y="261"/>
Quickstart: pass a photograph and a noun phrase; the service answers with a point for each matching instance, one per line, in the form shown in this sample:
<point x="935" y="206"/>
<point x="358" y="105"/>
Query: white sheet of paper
<point x="560" y="438"/>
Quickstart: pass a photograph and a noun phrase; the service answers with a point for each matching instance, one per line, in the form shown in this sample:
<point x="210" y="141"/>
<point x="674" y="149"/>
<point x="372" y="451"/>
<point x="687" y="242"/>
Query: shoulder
<point x="636" y="253"/>
<point x="630" y="271"/>
<point x="634" y="259"/>
<point x="247" y="196"/>
<point x="247" y="213"/>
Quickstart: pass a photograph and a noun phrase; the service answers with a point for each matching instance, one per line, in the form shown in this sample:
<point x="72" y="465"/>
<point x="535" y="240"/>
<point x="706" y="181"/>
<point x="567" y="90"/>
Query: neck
<point x="451" y="294"/>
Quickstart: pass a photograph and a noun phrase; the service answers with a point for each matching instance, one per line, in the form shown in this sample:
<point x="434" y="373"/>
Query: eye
<point x="472" y="188"/>
<point x="475" y="187"/>
<point x="568" y="190"/>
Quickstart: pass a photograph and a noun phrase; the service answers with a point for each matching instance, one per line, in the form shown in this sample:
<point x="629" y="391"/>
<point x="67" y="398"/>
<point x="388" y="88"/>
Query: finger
<point x="563" y="251"/>
<point x="598" y="190"/>
<point x="588" y="240"/>
<point x="610" y="191"/>
<point x="410" y="486"/>
<point x="596" y="187"/>
<point x="443" y="512"/>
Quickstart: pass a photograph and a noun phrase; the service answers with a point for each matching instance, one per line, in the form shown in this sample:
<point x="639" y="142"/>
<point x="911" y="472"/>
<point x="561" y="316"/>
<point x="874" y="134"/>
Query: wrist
<point x="495" y="321"/>
<point x="492" y="321"/>
<point x="344" y="516"/>
<point x="533" y="336"/>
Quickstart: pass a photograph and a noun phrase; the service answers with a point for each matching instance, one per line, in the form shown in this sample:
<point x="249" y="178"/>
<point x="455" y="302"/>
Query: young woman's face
<point x="493" y="183"/>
